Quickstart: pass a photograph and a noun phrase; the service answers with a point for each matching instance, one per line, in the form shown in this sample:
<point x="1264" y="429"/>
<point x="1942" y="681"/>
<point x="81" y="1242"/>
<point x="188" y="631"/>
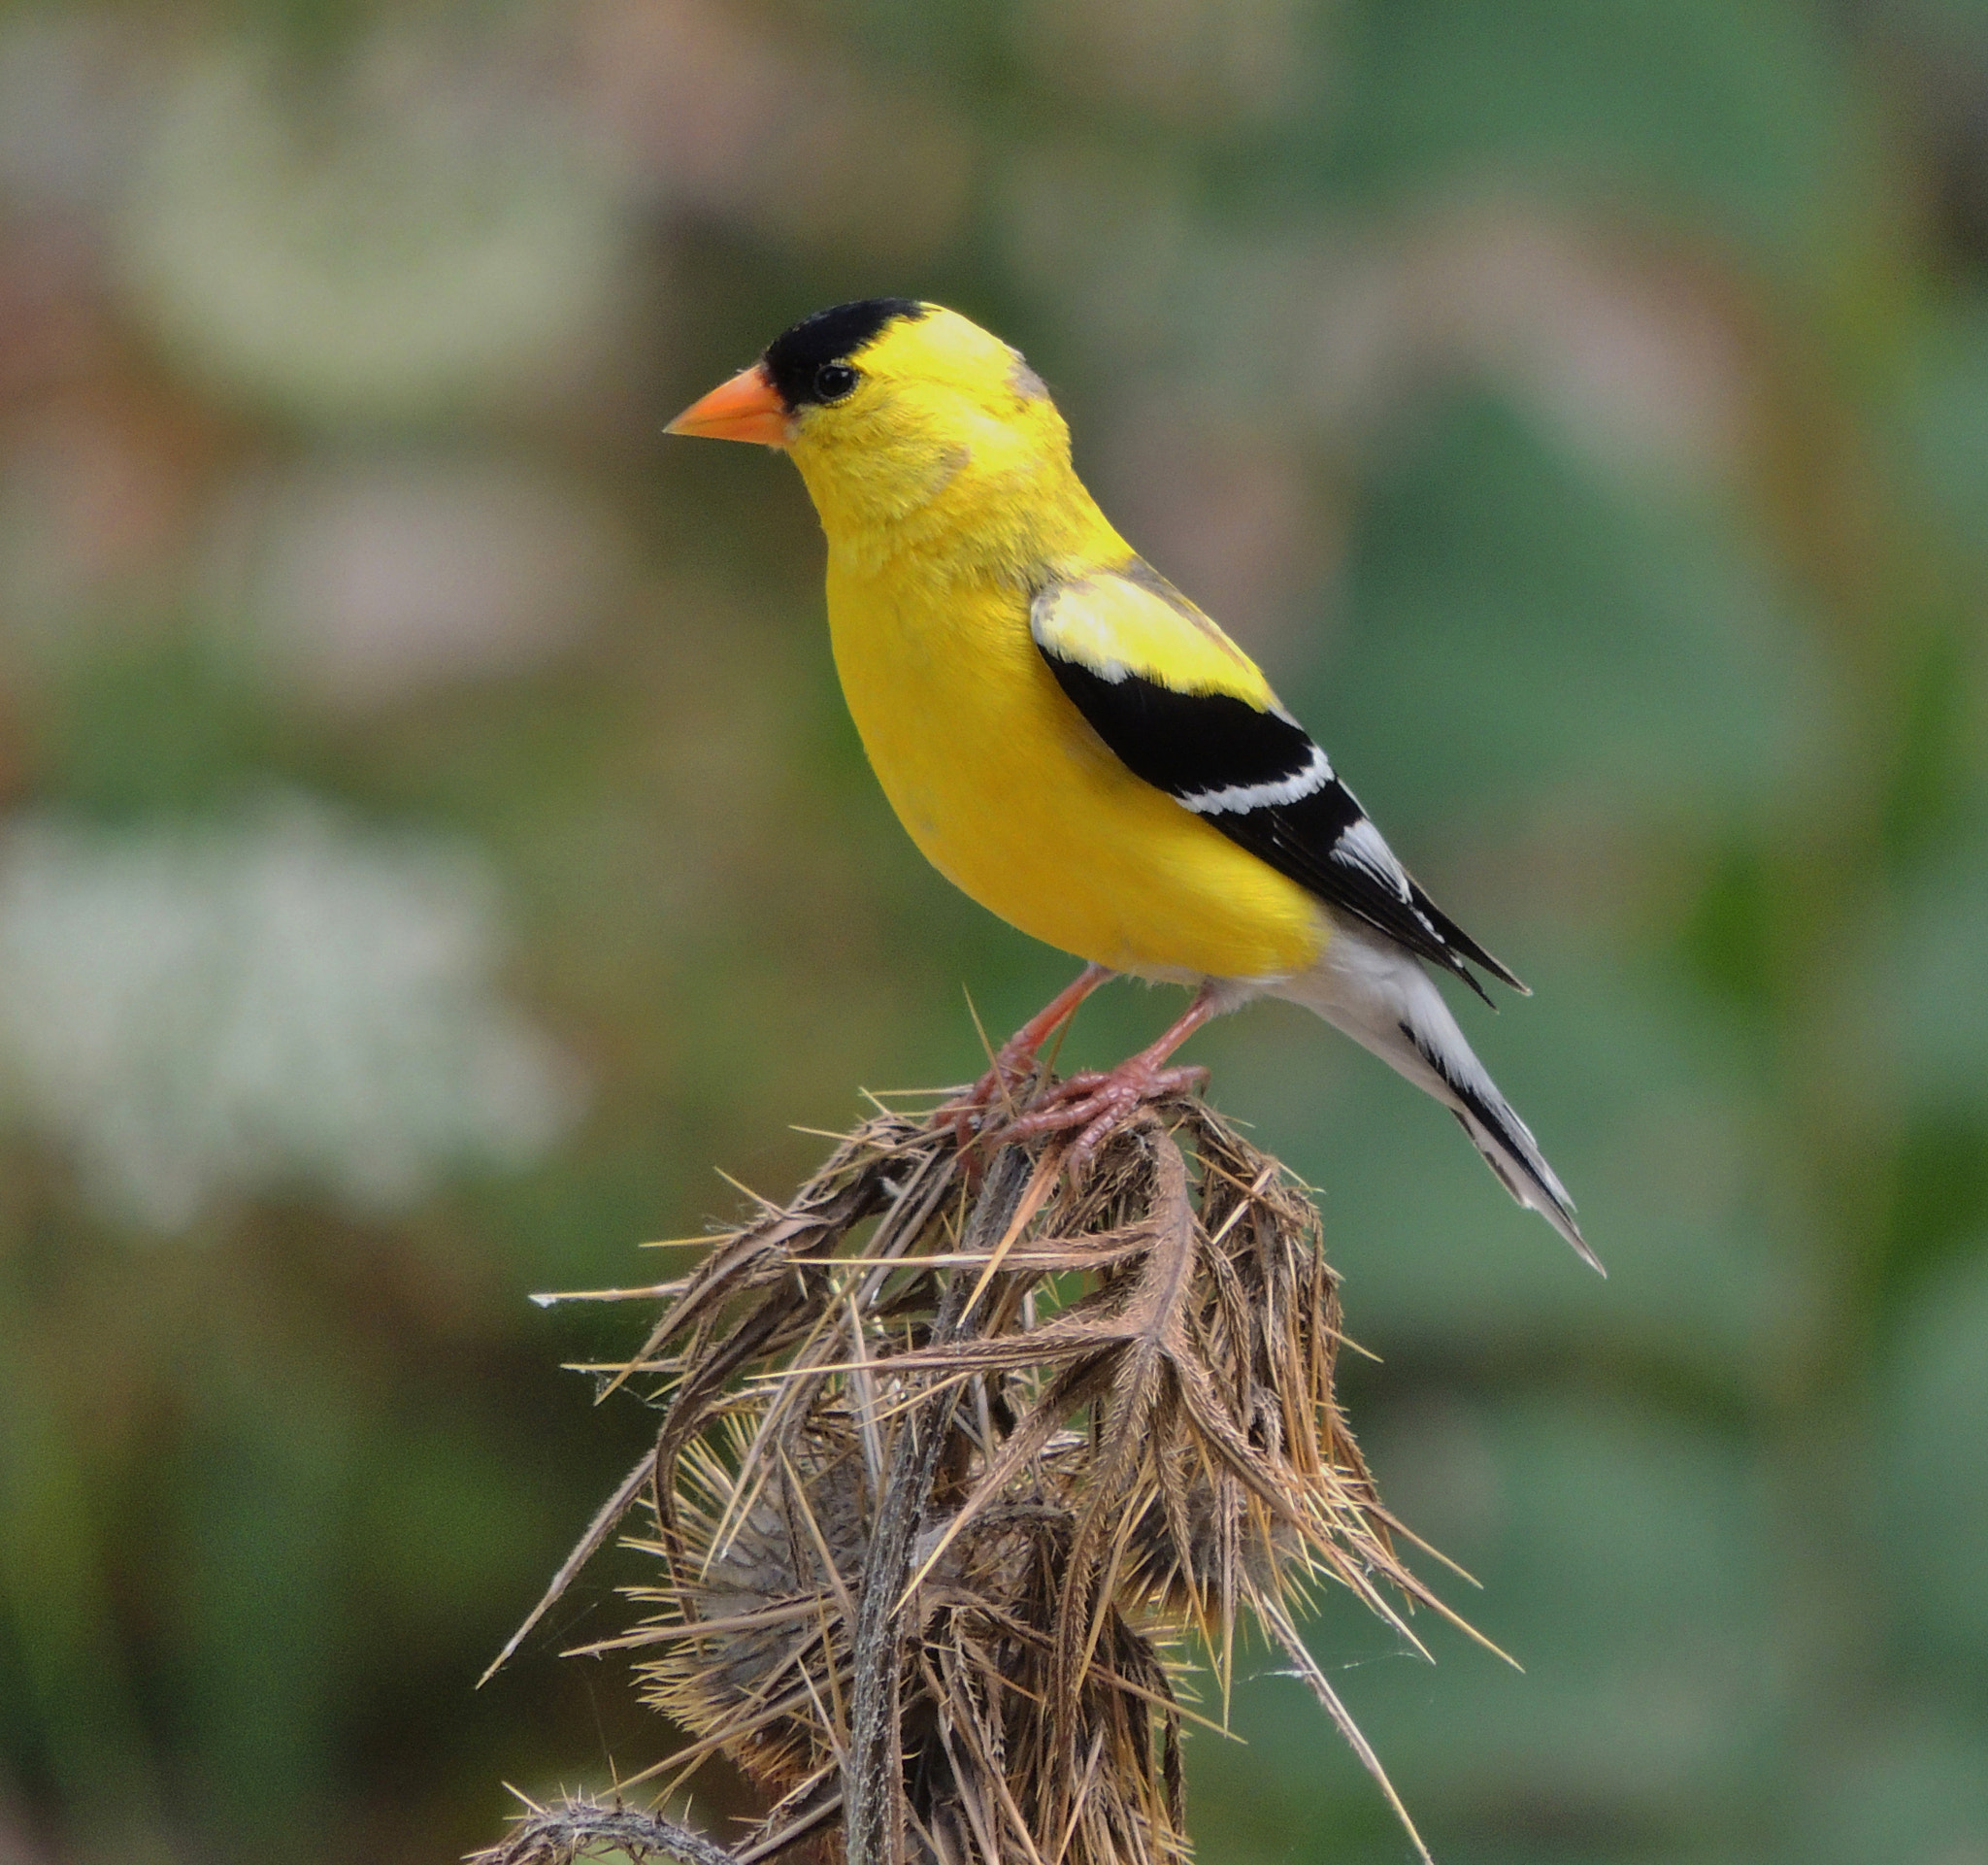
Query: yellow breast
<point x="1013" y="798"/>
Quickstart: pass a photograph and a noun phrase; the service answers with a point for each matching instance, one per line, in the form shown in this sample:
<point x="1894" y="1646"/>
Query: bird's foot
<point x="1095" y="1104"/>
<point x="1091" y="1104"/>
<point x="1014" y="1064"/>
<point x="1006" y="1082"/>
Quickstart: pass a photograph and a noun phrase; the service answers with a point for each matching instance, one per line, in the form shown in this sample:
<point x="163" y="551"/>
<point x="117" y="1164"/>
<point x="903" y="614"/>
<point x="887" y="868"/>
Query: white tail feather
<point x="1380" y="995"/>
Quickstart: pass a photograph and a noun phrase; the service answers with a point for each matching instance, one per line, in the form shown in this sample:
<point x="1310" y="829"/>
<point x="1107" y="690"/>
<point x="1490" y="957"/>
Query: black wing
<point x="1258" y="777"/>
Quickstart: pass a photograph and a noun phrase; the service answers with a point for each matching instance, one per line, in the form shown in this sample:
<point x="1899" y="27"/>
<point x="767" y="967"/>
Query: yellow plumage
<point x="1072" y="743"/>
<point x="946" y="505"/>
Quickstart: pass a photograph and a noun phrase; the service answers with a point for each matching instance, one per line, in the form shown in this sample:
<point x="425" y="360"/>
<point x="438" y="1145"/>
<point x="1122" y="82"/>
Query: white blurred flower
<point x="200" y="1013"/>
<point x="423" y="235"/>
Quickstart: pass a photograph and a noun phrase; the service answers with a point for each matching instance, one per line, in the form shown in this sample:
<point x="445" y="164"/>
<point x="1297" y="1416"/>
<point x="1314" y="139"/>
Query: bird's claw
<point x="1006" y="1082"/>
<point x="1090" y="1105"/>
<point x="1096" y="1103"/>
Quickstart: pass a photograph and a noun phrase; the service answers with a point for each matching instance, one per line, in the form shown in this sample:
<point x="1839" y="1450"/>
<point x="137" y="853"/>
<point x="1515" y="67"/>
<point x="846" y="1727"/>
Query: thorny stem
<point x="873" y="1776"/>
<point x="810" y="1419"/>
<point x="559" y="1835"/>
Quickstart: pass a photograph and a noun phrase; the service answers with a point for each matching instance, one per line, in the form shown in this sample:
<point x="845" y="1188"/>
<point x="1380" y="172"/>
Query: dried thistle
<point x="952" y="1472"/>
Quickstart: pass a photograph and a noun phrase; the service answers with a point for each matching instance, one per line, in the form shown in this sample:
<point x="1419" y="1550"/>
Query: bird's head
<point x="895" y="410"/>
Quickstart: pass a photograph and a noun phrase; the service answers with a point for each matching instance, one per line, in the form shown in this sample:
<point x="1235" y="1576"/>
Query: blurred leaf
<point x="1931" y="1466"/>
<point x="1944" y="413"/>
<point x="1909" y="1790"/>
<point x="262" y="1494"/>
<point x="1741" y="114"/>
<point x="69" y="1715"/>
<point x="445" y="1525"/>
<point x="1513" y="627"/>
<point x="153" y="727"/>
<point x="1939" y="987"/>
<point x="1623" y="1566"/>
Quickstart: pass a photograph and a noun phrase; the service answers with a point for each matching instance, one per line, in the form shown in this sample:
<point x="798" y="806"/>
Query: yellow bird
<point x="1072" y="743"/>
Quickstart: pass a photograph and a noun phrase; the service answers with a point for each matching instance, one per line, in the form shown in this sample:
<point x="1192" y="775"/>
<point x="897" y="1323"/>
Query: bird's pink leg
<point x="1017" y="1057"/>
<point x="1096" y="1103"/>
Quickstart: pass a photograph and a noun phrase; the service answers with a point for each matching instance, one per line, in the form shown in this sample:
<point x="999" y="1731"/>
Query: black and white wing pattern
<point x="1186" y="709"/>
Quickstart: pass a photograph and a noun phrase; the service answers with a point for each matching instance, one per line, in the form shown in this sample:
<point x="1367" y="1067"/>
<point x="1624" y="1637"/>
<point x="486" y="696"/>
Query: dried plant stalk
<point x="951" y="1472"/>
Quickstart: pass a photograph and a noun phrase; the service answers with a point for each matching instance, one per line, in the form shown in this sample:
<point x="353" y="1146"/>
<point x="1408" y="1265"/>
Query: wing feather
<point x="1183" y="708"/>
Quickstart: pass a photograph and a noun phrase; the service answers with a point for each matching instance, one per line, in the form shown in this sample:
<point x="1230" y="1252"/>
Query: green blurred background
<point x="432" y="842"/>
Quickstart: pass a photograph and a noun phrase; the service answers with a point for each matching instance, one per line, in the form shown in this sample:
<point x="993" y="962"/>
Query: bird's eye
<point x="835" y="381"/>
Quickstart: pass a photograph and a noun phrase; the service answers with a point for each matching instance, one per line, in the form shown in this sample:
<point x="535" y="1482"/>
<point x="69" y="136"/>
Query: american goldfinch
<point x="1075" y="744"/>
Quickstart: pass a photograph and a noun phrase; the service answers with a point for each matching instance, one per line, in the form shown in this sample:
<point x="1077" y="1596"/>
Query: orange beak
<point x="744" y="408"/>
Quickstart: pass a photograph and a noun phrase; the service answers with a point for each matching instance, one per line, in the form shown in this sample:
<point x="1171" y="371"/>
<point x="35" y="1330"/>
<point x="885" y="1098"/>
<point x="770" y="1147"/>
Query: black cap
<point x="830" y="336"/>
